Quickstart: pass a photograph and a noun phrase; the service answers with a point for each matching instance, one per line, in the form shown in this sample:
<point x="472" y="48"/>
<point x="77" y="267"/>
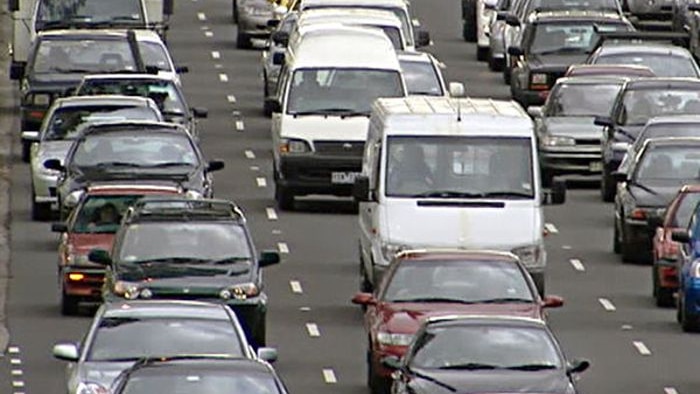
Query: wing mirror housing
<point x="552" y="301"/>
<point x="59" y="227"/>
<point x="182" y="69"/>
<point x="269" y="257"/>
<point x="515" y="51"/>
<point x="268" y="354"/>
<point x="17" y="70"/>
<point x="200" y="113"/>
<point x="619" y="176"/>
<point x="578" y="366"/>
<point x="215" y="165"/>
<point x="280" y="38"/>
<point x="535" y="111"/>
<point x="456" y="89"/>
<point x="680" y="236"/>
<point x="422" y="38"/>
<point x="66" y="351"/>
<point x="655" y="221"/>
<point x="100" y="256"/>
<point x="360" y="189"/>
<point x="364" y="299"/>
<point x="604" y="121"/>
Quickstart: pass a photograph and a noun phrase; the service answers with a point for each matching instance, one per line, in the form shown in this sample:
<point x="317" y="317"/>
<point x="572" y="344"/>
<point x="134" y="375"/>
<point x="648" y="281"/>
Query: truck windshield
<point x="459" y="167"/>
<point x="122" y="12"/>
<point x="86" y="56"/>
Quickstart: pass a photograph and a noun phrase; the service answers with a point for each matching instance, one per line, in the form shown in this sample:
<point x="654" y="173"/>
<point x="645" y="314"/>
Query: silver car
<point x="66" y="118"/>
<point x="125" y="332"/>
<point x="568" y="140"/>
<point x="423" y="74"/>
<point x="253" y="21"/>
<point x="276" y="44"/>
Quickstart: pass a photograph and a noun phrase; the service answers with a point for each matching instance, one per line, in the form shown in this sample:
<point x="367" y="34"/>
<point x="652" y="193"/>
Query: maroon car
<point x="92" y="224"/>
<point x="423" y="283"/>
<point x="666" y="252"/>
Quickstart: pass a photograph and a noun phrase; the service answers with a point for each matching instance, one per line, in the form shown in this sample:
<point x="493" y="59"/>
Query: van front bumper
<point x="318" y="174"/>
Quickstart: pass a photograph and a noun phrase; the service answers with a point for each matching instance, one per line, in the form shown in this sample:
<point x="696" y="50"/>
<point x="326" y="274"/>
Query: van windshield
<point x="333" y="91"/>
<point x="459" y="167"/>
<point x="402" y="14"/>
<point x="119" y="13"/>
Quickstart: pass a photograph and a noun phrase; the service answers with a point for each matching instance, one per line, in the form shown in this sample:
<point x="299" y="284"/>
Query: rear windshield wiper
<point x="169" y="164"/>
<point x="507" y="194"/>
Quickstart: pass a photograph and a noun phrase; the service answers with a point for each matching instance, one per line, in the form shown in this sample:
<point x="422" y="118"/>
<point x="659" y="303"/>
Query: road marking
<point x="329" y="376"/>
<point x="305" y="309"/>
<point x="201" y="16"/>
<point x="283" y="248"/>
<point x="552" y="229"/>
<point x="566" y="247"/>
<point x="254" y="168"/>
<point x="209" y="33"/>
<point x="17" y="372"/>
<point x="216" y="55"/>
<point x="271" y="213"/>
<point x="642" y="348"/>
<point x="223" y="77"/>
<point x="249" y="154"/>
<point x="670" y="390"/>
<point x="240" y="126"/>
<point x="577" y="264"/>
<point x="13" y="349"/>
<point x="15" y="361"/>
<point x="17" y="383"/>
<point x="231" y="98"/>
<point x="607" y="304"/>
<point x="296" y="286"/>
<point x="312" y="329"/>
<point x="261" y="181"/>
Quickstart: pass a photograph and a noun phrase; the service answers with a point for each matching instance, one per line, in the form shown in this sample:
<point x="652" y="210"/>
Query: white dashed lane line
<point x="240" y="126"/>
<point x="642" y="348"/>
<point x="208" y="33"/>
<point x="249" y="154"/>
<point x="329" y="376"/>
<point x="231" y="98"/>
<point x="552" y="229"/>
<point x="201" y="16"/>
<point x="261" y="182"/>
<point x="215" y="55"/>
<point x="607" y="304"/>
<point x="16" y="372"/>
<point x="670" y="390"/>
<point x="577" y="264"/>
<point x="312" y="329"/>
<point x="17" y="383"/>
<point x="223" y="77"/>
<point x="15" y="361"/>
<point x="271" y="213"/>
<point x="283" y="248"/>
<point x="296" y="287"/>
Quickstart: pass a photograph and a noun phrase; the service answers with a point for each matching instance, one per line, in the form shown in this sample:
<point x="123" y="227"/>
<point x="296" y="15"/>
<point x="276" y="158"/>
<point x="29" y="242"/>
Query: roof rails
<point x="636" y="37"/>
<point x="182" y="208"/>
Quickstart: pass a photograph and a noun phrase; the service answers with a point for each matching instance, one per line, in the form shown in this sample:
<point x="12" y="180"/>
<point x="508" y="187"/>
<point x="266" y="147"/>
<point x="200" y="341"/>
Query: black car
<point x="199" y="374"/>
<point x="484" y="355"/>
<point x="651" y="181"/>
<point x="58" y="61"/>
<point x="136" y="150"/>
<point x="551" y="42"/>
<point x="638" y="101"/>
<point x="181" y="248"/>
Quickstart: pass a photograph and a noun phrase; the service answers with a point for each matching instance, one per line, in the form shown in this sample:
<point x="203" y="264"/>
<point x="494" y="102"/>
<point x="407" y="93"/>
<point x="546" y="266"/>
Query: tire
<point x="616" y="240"/>
<point x="259" y="336"/>
<point x="663" y="297"/>
<point x="626" y="250"/>
<point x="688" y="323"/>
<point x="679" y="308"/>
<point x="376" y="384"/>
<point x="607" y="186"/>
<point x="284" y="198"/>
<point x="26" y="148"/>
<point x="365" y="284"/>
<point x="547" y="177"/>
<point x="538" y="278"/>
<point x="506" y="73"/>
<point x="482" y="53"/>
<point x="69" y="304"/>
<point x="469" y="20"/>
<point x="495" y="64"/>
<point x="243" y="41"/>
<point x="41" y="211"/>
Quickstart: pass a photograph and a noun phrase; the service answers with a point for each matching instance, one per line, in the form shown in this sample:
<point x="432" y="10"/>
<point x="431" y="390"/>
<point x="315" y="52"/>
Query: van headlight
<point x="293" y="145"/>
<point x="551" y="140"/>
<point x="532" y="256"/>
<point x="240" y="291"/>
<point x="393" y="339"/>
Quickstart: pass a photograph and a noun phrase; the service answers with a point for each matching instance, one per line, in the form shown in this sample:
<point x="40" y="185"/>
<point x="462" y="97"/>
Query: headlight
<point x="128" y="290"/>
<point x="253" y="10"/>
<point x="240" y="292"/>
<point x="532" y="256"/>
<point x="72" y="198"/>
<point x="558" y="141"/>
<point x="288" y="145"/>
<point x="91" y="388"/>
<point x="40" y="99"/>
<point x="390" y="250"/>
<point x="393" y="339"/>
<point x="194" y="195"/>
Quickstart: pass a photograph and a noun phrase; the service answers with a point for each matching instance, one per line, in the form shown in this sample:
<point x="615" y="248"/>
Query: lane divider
<point x="223" y="77"/>
<point x="201" y="16"/>
<point x="312" y="329"/>
<point x="670" y="390"/>
<point x="249" y="154"/>
<point x="551" y="228"/>
<point x="642" y="348"/>
<point x="283" y="247"/>
<point x="577" y="264"/>
<point x="296" y="287"/>
<point x="215" y="55"/>
<point x="17" y="373"/>
<point x="209" y="33"/>
<point x="262" y="182"/>
<point x="607" y="304"/>
<point x="231" y="98"/>
<point x="329" y="376"/>
<point x="240" y="126"/>
<point x="271" y="213"/>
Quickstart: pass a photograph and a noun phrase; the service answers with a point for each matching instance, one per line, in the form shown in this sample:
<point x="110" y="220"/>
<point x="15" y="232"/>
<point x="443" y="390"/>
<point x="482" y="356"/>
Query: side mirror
<point x="655" y="221"/>
<point x="360" y="189"/>
<point x="501" y="15"/>
<point x="268" y="354"/>
<point x="422" y="38"/>
<point x="535" y="111"/>
<point x="694" y="7"/>
<point x="490" y="6"/>
<point x="619" y="176"/>
<point x="515" y="51"/>
<point x="512" y="20"/>
<point x="168" y="7"/>
<point x="273" y="23"/>
<point x="13" y="5"/>
<point x="552" y="301"/>
<point x="278" y="58"/>
<point x="66" y="351"/>
<point x="59" y="227"/>
<point x="391" y="362"/>
<point x="182" y="69"/>
<point x="54" y="164"/>
<point x="32" y="136"/>
<point x="215" y="165"/>
<point x="578" y="366"/>
<point x="273" y="104"/>
<point x="364" y="299"/>
<point x="556" y="195"/>
<point x="100" y="256"/>
<point x="280" y="38"/>
<point x="680" y="236"/>
<point x="456" y="89"/>
<point x="605" y="121"/>
<point x="269" y="257"/>
<point x="17" y="71"/>
<point x="200" y="113"/>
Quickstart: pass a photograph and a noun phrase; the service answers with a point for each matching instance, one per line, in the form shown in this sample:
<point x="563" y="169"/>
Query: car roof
<point x="179" y="208"/>
<point x="662" y="83"/>
<point x="104" y="100"/>
<point x="456" y="254"/>
<point x="592" y="80"/>
<point x="669" y="141"/>
<point x="178" y="309"/>
<point x="575" y="15"/>
<point x="84" y="33"/>
<point x="351" y="15"/>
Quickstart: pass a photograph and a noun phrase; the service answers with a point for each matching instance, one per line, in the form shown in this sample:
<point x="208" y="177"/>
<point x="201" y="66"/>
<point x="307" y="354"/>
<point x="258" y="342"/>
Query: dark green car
<point x="179" y="248"/>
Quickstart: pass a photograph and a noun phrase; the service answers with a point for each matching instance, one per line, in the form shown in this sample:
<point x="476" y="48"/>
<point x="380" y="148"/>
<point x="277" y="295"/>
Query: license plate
<point x="343" y="177"/>
<point x="596" y="166"/>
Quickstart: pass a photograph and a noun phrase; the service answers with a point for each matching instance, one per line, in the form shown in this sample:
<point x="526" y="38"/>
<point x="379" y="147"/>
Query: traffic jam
<point x="449" y="191"/>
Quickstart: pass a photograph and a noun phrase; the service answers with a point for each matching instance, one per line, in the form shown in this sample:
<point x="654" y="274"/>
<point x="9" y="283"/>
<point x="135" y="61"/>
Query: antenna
<point x="459" y="110"/>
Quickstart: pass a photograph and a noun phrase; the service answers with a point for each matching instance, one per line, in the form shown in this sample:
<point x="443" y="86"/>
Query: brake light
<point x="76" y="277"/>
<point x="638" y="214"/>
<point x="36" y="114"/>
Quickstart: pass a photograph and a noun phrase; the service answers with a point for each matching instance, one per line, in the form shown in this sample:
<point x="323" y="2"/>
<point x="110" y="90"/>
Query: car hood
<point x="573" y="126"/>
<point x="53" y="150"/>
<point x="448" y="225"/>
<point x="493" y="381"/>
<point x="102" y="372"/>
<point x="82" y="244"/>
<point x="405" y="318"/>
<point x="555" y="62"/>
<point x="655" y="194"/>
<point x="329" y="128"/>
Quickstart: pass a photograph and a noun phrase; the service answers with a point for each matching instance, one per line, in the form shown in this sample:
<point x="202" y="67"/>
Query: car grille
<point x="340" y="148"/>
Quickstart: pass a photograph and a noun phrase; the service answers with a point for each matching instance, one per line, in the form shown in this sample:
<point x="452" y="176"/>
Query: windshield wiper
<point x="560" y="50"/>
<point x="505" y="300"/>
<point x="69" y="70"/>
<point x="116" y="164"/>
<point x="644" y="187"/>
<point x="447" y="194"/>
<point x="435" y="299"/>
<point x="532" y="367"/>
<point x="332" y="111"/>
<point x="169" y="164"/>
<point x="509" y="193"/>
<point x="431" y="379"/>
<point x="173" y="260"/>
<point x="471" y="366"/>
<point x="122" y="18"/>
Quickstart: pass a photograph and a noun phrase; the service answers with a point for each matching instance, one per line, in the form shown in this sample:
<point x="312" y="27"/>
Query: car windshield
<point x="67" y="122"/>
<point x="459" y="167"/>
<point x="662" y="64"/>
<point x="138" y="149"/>
<point x="163" y="92"/>
<point x="406" y="25"/>
<point x="457" y="281"/>
<point x="485" y="346"/>
<point x="685" y="209"/>
<point x="421" y="78"/>
<point x="201" y="382"/>
<point x="581" y="37"/>
<point x="121" y="12"/>
<point x="668" y="163"/>
<point x="101" y="213"/>
<point x="155" y="55"/>
<point x="60" y="55"/>
<point x="582" y="99"/>
<point x="589" y="5"/>
<point x="340" y="91"/>
<point x="132" y="338"/>
<point x="639" y="105"/>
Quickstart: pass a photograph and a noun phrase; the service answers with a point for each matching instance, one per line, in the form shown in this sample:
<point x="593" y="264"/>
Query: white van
<point x="328" y="81"/>
<point x="450" y="173"/>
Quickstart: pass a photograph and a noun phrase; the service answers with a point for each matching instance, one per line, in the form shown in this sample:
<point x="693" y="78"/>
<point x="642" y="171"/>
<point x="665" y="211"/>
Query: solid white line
<point x="283" y="248"/>
<point x="296" y="286"/>
<point x="271" y="213"/>
<point x="670" y="390"/>
<point x="642" y="348"/>
<point x="249" y="154"/>
<point x="13" y="349"/>
<point x="552" y="229"/>
<point x="329" y="376"/>
<point x="312" y="329"/>
<point x="15" y="361"/>
<point x="215" y="54"/>
<point x="261" y="182"/>
<point x="201" y="16"/>
<point x="209" y="33"/>
<point x="231" y="98"/>
<point x="17" y="383"/>
<point x="607" y="304"/>
<point x="577" y="264"/>
<point x="223" y="77"/>
<point x="17" y="372"/>
<point x="240" y="126"/>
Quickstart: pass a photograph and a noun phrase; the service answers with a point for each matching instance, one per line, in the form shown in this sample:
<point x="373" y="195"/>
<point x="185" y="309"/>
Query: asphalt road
<point x="609" y="316"/>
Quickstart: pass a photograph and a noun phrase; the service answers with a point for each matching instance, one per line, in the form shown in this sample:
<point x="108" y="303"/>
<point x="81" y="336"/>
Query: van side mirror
<point x="360" y="189"/>
<point x="556" y="195"/>
<point x="680" y="236"/>
<point x="456" y="89"/>
<point x="200" y="113"/>
<point x="17" y="70"/>
<point x="168" y="7"/>
<point x="280" y="38"/>
<point x="619" y="176"/>
<point x="512" y="20"/>
<point x="604" y="121"/>
<point x="278" y="58"/>
<point x="422" y="38"/>
<point x="269" y="257"/>
<point x="100" y="256"/>
<point x="268" y="354"/>
<point x="215" y="165"/>
<point x="182" y="69"/>
<point x="364" y="299"/>
<point x="515" y="51"/>
<point x="578" y="366"/>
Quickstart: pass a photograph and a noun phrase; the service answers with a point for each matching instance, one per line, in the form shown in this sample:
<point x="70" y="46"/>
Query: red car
<point x="666" y="252"/>
<point x="92" y="224"/>
<point x="423" y="283"/>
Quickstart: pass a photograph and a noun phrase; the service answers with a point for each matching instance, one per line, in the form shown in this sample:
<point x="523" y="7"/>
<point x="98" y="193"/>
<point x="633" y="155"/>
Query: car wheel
<point x="260" y="333"/>
<point x="243" y="41"/>
<point x="547" y="177"/>
<point x="506" y="74"/>
<point x="482" y="53"/>
<point x="40" y="210"/>
<point x="469" y="20"/>
<point x="688" y="323"/>
<point x="26" y="148"/>
<point x="377" y="384"/>
<point x="607" y="186"/>
<point x="284" y="198"/>
<point x="69" y="304"/>
<point x="365" y="284"/>
<point x="679" y="308"/>
<point x="626" y="250"/>
<point x="616" y="238"/>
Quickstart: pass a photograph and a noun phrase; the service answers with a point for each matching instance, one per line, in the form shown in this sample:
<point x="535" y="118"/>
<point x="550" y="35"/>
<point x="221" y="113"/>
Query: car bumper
<point x="581" y="162"/>
<point x="318" y="174"/>
<point x="667" y="273"/>
<point x="83" y="282"/>
<point x="530" y="97"/>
